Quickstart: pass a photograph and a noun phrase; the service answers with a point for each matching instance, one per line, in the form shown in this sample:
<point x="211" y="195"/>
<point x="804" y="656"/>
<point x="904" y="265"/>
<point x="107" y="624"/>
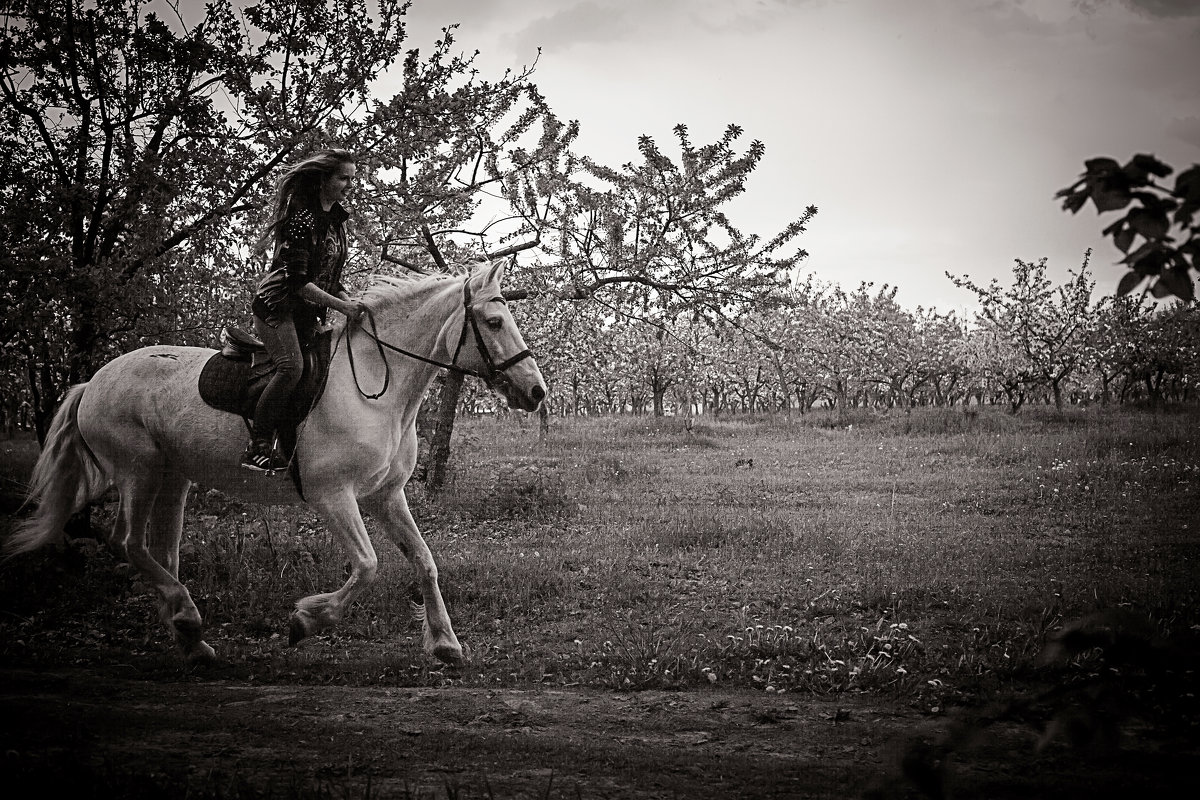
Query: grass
<point x="921" y="555"/>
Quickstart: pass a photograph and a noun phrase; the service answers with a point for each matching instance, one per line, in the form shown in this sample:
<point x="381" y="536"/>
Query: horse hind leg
<point x="166" y="522"/>
<point x="159" y="503"/>
<point x="120" y="531"/>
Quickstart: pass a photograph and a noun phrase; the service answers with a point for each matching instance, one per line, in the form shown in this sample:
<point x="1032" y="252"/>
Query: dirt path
<point x="223" y="739"/>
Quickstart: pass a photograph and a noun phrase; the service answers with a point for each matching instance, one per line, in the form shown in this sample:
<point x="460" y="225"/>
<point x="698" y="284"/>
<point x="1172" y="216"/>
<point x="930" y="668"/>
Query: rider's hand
<point x="354" y="310"/>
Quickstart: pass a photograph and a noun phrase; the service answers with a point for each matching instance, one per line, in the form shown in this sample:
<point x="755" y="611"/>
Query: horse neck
<point x="417" y="327"/>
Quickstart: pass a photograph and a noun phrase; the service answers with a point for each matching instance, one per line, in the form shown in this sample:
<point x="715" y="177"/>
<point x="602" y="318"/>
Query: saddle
<point x="233" y="380"/>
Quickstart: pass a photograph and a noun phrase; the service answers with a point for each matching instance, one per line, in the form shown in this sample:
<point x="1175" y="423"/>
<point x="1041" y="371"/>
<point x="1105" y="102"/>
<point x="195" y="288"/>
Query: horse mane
<point x="387" y="291"/>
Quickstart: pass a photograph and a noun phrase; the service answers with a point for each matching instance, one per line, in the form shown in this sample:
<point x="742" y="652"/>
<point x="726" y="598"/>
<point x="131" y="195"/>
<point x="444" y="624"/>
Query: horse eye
<point x="495" y="324"/>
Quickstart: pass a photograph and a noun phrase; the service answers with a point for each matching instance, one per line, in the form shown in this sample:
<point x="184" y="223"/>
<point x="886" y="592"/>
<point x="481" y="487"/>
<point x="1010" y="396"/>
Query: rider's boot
<point x="262" y="455"/>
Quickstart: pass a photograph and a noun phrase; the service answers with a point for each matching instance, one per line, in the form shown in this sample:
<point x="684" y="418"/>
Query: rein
<point x="493" y="373"/>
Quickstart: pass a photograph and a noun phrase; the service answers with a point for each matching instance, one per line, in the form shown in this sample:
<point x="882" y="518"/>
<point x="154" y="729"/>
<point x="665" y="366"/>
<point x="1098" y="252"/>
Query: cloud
<point x="725" y="17"/>
<point x="426" y="18"/>
<point x="1165" y="8"/>
<point x="445" y="12"/>
<point x="588" y="22"/>
<point x="607" y="21"/>
<point x="1145" y="8"/>
<point x="1005" y="17"/>
<point x="1185" y="129"/>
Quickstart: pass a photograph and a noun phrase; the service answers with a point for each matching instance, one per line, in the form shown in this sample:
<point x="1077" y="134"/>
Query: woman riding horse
<point x="308" y="231"/>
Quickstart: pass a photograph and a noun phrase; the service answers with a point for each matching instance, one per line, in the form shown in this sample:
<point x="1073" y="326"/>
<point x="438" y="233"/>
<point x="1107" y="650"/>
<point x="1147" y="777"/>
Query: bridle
<point x="492" y="373"/>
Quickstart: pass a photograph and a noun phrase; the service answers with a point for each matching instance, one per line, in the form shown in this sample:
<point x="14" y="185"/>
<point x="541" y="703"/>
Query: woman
<point x="308" y="232"/>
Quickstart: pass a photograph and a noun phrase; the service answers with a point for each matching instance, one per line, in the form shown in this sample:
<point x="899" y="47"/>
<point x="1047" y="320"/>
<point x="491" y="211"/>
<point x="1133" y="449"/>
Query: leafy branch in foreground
<point x="1156" y="210"/>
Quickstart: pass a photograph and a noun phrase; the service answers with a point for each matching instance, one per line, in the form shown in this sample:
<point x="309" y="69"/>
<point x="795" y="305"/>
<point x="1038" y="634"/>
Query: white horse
<point x="139" y="424"/>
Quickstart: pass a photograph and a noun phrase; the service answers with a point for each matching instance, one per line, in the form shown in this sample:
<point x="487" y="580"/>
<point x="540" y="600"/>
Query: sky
<point x="931" y="134"/>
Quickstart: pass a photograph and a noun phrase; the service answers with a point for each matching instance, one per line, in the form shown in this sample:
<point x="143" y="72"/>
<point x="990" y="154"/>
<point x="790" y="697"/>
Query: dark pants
<point x="283" y="346"/>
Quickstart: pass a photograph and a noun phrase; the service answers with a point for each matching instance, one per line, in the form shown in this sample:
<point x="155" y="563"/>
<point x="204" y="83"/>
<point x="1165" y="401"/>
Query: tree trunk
<point x="43" y="389"/>
<point x="842" y="401"/>
<point x="784" y="386"/>
<point x="1154" y="388"/>
<point x="439" y="449"/>
<point x="1016" y="399"/>
<point x="658" y="392"/>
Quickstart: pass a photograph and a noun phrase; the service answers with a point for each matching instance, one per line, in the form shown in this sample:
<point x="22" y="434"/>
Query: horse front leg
<point x="319" y="611"/>
<point x="438" y="639"/>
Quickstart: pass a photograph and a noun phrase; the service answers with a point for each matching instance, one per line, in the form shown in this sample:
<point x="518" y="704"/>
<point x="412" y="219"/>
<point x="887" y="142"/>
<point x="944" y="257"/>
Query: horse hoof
<point x="188" y="631"/>
<point x="296" y="631"/>
<point x="202" y="656"/>
<point x="449" y="654"/>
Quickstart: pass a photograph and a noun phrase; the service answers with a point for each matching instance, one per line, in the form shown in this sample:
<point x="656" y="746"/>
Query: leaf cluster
<point x="1155" y="211"/>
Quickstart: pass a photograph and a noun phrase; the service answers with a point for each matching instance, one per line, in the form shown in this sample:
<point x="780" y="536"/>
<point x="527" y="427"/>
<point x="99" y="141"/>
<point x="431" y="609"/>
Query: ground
<point x="73" y="729"/>
<point x="626" y="640"/>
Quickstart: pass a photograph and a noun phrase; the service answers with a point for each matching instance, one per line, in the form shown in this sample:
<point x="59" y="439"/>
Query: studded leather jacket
<point x="311" y="249"/>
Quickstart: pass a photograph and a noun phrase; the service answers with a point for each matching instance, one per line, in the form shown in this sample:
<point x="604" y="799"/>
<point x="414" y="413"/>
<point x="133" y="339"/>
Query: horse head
<point x="499" y="354"/>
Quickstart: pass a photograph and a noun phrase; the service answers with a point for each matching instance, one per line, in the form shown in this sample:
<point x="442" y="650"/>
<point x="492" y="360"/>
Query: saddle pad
<point x="235" y="386"/>
<point x="224" y="385"/>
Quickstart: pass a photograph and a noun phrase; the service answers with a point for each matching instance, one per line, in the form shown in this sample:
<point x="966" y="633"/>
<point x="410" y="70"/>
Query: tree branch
<point x="433" y="249"/>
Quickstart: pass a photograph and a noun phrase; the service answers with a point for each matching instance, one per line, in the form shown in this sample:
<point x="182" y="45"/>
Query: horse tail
<point x="66" y="478"/>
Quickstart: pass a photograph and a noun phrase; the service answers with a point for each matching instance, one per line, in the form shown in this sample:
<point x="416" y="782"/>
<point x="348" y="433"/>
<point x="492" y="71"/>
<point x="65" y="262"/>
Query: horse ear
<point x="496" y="273"/>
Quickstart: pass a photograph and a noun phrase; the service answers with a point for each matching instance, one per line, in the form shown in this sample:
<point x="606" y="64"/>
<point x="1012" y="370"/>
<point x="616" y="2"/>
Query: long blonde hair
<point x="301" y="183"/>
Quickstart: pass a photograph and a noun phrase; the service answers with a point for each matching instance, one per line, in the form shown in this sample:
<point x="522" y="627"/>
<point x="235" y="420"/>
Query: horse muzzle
<point x="534" y="397"/>
<point x="517" y="397"/>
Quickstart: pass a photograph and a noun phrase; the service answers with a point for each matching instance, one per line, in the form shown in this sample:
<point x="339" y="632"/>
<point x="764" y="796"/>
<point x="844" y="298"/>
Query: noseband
<point x="493" y="374"/>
